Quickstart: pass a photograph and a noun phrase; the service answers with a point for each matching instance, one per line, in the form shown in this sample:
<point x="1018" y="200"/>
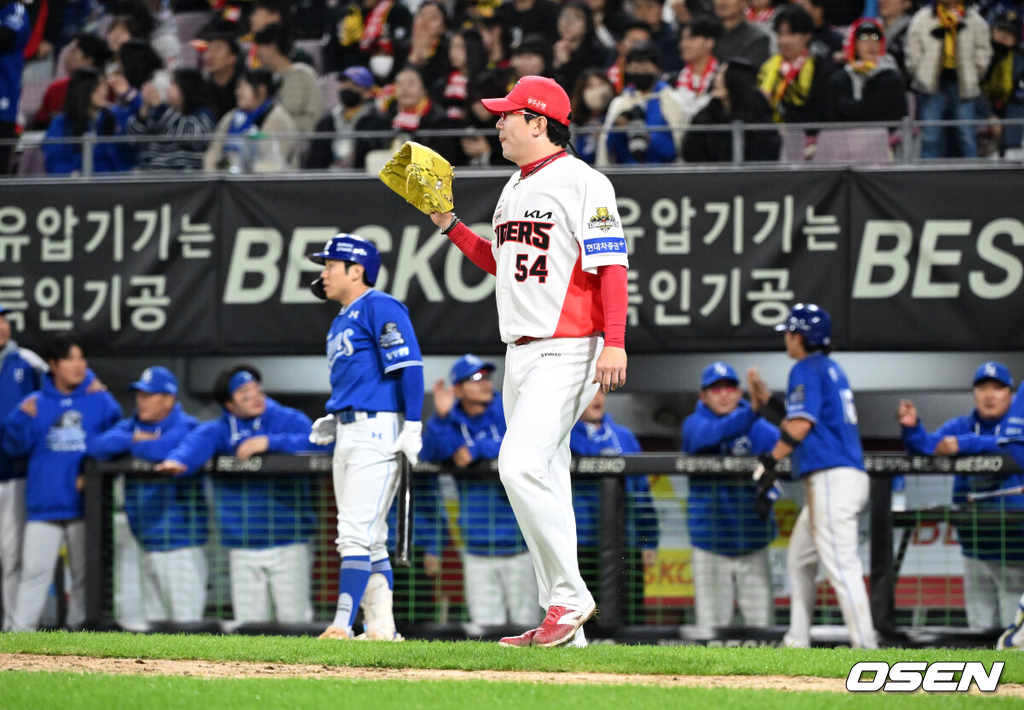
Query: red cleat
<point x="560" y="625"/>
<point x="523" y="639"/>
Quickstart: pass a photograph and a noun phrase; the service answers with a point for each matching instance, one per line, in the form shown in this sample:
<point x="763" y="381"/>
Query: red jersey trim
<point x="582" y="310"/>
<point x="536" y="165"/>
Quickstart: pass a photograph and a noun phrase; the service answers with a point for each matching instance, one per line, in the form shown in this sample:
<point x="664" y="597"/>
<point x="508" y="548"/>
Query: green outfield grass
<point x="469" y="655"/>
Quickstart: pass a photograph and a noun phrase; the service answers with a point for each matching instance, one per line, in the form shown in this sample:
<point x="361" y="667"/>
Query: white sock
<point x="343" y="613"/>
<point x="579" y="640"/>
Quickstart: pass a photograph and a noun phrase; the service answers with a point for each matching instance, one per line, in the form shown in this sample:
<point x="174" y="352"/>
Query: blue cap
<point x="811" y="320"/>
<point x="360" y="76"/>
<point x="716" y="372"/>
<point x="993" y="370"/>
<point x="467" y="366"/>
<point x="156" y="380"/>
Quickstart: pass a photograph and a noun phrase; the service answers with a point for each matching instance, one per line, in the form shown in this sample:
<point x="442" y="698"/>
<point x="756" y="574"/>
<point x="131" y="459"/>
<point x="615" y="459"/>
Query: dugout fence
<point x="918" y="578"/>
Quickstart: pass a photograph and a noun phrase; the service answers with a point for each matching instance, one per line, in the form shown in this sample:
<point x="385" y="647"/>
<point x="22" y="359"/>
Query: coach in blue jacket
<point x="730" y="541"/>
<point x="993" y="553"/>
<point x="168" y="517"/>
<point x="466" y="430"/>
<point x="51" y="427"/>
<point x="265" y="522"/>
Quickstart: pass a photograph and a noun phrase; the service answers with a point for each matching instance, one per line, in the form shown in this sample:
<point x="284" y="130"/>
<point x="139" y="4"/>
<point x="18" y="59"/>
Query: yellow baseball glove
<point x="421" y="176"/>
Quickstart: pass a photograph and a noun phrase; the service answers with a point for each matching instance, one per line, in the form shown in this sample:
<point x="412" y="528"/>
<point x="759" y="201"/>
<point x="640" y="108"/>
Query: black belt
<point x="347" y="416"/>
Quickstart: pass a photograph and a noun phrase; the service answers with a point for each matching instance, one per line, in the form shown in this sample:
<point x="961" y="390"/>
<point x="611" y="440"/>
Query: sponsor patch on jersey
<point x="604" y="246"/>
<point x="391" y="336"/>
<point x="603" y="220"/>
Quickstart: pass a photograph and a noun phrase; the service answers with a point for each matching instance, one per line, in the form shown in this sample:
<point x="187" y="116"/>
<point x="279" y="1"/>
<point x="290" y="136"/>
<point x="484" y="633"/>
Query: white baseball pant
<point x="274" y="575"/>
<point x="826" y="531"/>
<point x="547" y="386"/>
<point x="501" y="590"/>
<point x="174" y="584"/>
<point x="365" y="483"/>
<point x="12" y="528"/>
<point x="39" y="554"/>
<point x="721" y="581"/>
<point x="991" y="592"/>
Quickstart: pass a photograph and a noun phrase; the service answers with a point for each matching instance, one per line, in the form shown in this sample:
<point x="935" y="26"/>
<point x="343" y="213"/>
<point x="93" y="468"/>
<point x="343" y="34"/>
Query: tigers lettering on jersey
<point x="525" y="232"/>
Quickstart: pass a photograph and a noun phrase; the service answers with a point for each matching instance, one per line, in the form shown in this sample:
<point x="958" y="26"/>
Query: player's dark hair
<point x="366" y="282"/>
<point x="222" y="385"/>
<point x="558" y="133"/>
<point x="276" y="34"/>
<point x="796" y="18"/>
<point x="823" y="349"/>
<point x="58" y="346"/>
<point x="705" y="26"/>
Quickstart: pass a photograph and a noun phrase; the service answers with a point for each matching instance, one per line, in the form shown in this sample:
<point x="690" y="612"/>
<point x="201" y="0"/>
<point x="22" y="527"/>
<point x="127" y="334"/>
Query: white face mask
<point x="597" y="97"/>
<point x="381" y="65"/>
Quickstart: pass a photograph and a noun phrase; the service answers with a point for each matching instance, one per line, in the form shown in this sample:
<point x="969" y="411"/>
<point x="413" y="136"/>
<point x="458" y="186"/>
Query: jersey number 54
<point x="539" y="268"/>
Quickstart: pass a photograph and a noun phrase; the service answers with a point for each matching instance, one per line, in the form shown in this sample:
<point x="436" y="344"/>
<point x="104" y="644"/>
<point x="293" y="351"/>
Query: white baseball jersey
<point x="553" y="229"/>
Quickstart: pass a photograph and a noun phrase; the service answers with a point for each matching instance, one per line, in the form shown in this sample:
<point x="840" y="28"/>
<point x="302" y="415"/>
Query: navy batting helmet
<point x="813" y="321"/>
<point x="351" y="247"/>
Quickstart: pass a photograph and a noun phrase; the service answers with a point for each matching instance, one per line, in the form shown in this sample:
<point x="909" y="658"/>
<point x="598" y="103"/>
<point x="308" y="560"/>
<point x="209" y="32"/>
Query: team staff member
<point x="730" y="541"/>
<point x="265" y="522"/>
<point x="376" y="373"/>
<point x="820" y="430"/>
<point x="167" y="518"/>
<point x="993" y="553"/>
<point x="560" y="261"/>
<point x="51" y="427"/>
<point x="21" y="373"/>
<point x="466" y="429"/>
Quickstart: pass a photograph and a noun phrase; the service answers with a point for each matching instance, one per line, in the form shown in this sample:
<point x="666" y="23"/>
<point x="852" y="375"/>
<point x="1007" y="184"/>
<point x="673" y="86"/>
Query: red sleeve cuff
<point x="613" y="299"/>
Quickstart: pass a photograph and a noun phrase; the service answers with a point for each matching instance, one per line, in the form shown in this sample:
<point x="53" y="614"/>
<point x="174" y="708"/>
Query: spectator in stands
<point x="697" y="47"/>
<point x="465" y="431"/>
<point x="46" y="29"/>
<point x="577" y="48"/>
<point x="740" y="39"/>
<point x="948" y="51"/>
<point x="298" y="92"/>
<point x="467" y="58"/>
<point x="175" y="109"/>
<point x="255" y="136"/>
<point x="428" y="48"/>
<point x="662" y="34"/>
<point x="274" y="12"/>
<point x="635" y="33"/>
<point x="734" y="97"/>
<point x="371" y="33"/>
<point x="21" y="374"/>
<point x="481" y="148"/>
<point x="354" y="112"/>
<point x="85" y="50"/>
<point x="524" y="18"/>
<point x="895" y="16"/>
<point x="730" y="541"/>
<point x="495" y="41"/>
<point x="411" y="111"/>
<point x="609" y="21"/>
<point x="87" y="110"/>
<point x="1003" y="85"/>
<point x="169" y="520"/>
<point x="14" y="36"/>
<point x="137" y="63"/>
<point x="132" y="19"/>
<point x="826" y="44"/>
<point x="52" y="428"/>
<point x="869" y="87"/>
<point x="221" y="64"/>
<point x="266" y="522"/>
<point x="590" y="100"/>
<point x="793" y="80"/>
<point x="597" y="434"/>
<point x="993" y="553"/>
<point x="762" y="12"/>
<point x="647" y="102"/>
<point x="531" y="58"/>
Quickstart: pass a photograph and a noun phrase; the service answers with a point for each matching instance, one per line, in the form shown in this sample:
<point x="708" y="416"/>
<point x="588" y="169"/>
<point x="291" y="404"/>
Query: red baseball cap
<point x="537" y="94"/>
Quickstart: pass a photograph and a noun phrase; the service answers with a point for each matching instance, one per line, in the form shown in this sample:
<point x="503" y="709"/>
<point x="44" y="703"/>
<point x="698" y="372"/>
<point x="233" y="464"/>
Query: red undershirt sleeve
<point x="476" y="248"/>
<point x="613" y="299"/>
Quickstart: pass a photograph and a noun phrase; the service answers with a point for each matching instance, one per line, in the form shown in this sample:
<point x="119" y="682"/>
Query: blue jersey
<point x="13" y="17"/>
<point x="20" y="375"/>
<point x="371" y="340"/>
<point x="820" y="393"/>
<point x="163" y="514"/>
<point x="721" y="516"/>
<point x="610" y="439"/>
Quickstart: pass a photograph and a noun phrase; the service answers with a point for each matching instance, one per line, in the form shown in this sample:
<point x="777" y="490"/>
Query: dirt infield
<point x="242" y="669"/>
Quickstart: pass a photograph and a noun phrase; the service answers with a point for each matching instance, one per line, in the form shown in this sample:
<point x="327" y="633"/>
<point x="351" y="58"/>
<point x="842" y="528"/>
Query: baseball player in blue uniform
<point x="265" y="522"/>
<point x="820" y="431"/>
<point x="15" y="29"/>
<point x="730" y="540"/>
<point x="167" y="518"/>
<point x="376" y="374"/>
<point x="21" y="373"/>
<point x="993" y="554"/>
<point x="51" y="428"/>
<point x="466" y="429"/>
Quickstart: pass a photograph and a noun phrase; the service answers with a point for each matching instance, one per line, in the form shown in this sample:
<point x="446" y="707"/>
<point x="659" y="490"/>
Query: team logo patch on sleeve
<point x="391" y="336"/>
<point x="603" y="220"/>
<point x="616" y="245"/>
<point x="798" y="395"/>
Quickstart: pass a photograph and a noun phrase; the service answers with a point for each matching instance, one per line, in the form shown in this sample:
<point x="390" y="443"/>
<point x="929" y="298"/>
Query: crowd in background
<point x="236" y="91"/>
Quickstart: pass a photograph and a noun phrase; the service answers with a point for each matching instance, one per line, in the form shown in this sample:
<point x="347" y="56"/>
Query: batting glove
<point x="768" y="489"/>
<point x="323" y="431"/>
<point x="410" y="441"/>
